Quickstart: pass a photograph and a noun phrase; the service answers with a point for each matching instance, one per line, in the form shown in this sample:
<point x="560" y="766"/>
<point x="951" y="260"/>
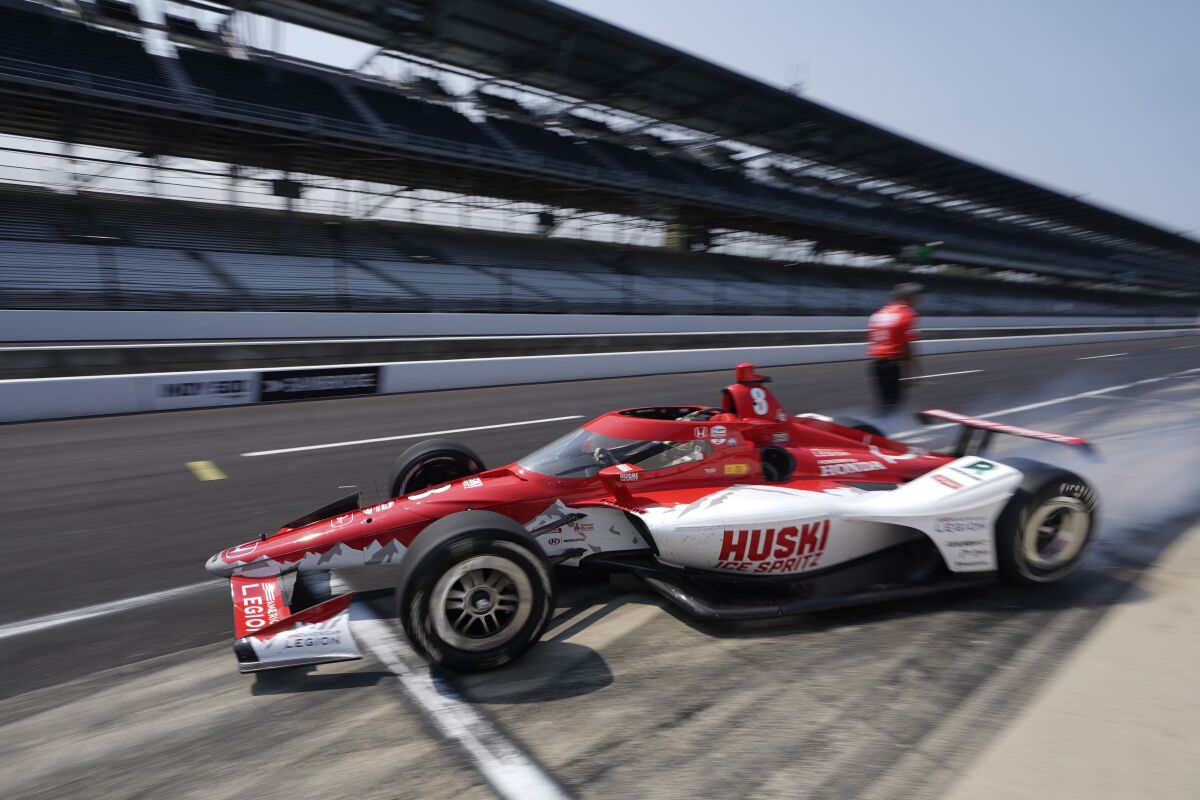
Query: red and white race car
<point x="734" y="512"/>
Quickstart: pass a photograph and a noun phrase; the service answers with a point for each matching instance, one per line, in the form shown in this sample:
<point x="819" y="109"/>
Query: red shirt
<point x="891" y="330"/>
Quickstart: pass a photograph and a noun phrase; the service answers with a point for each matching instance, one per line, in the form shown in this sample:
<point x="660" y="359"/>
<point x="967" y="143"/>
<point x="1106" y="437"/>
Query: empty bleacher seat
<point x="266" y="84"/>
<point x="422" y="119"/>
<point x="64" y="49"/>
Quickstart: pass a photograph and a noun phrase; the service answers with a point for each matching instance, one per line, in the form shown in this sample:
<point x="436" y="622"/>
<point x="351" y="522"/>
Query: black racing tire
<point x="857" y="424"/>
<point x="1042" y="533"/>
<point x="498" y="568"/>
<point x="432" y="462"/>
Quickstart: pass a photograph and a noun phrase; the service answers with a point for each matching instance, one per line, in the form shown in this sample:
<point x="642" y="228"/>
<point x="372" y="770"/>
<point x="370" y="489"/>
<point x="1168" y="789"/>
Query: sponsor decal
<point x="780" y="438"/>
<point x="429" y="493"/>
<point x="553" y="540"/>
<point x="214" y="389"/>
<point x="259" y="604"/>
<point x="892" y="458"/>
<point x="701" y="432"/>
<point x="583" y="527"/>
<point x="239" y="553"/>
<point x="949" y="483"/>
<point x="960" y="524"/>
<point x="763" y="551"/>
<point x="472" y="483"/>
<point x="710" y="470"/>
<point x="343" y="520"/>
<point x="718" y="434"/>
<point x="732" y="440"/>
<point x="300" y="384"/>
<point x="312" y="640"/>
<point x="1080" y="491"/>
<point x="624" y="467"/>
<point x="630" y="476"/>
<point x="737" y="469"/>
<point x="823" y="453"/>
<point x="850" y="468"/>
<point x="780" y="416"/>
<point x="381" y="507"/>
<point x="977" y="470"/>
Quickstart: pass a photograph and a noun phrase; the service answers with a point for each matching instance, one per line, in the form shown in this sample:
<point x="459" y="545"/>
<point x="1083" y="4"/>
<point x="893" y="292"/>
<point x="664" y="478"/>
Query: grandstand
<point x="739" y="214"/>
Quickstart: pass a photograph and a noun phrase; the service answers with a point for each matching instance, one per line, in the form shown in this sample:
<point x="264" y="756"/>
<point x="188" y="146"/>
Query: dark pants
<point x="887" y="382"/>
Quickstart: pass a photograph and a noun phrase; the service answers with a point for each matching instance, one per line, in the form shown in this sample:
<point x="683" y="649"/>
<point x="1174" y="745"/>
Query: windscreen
<point x="582" y="454"/>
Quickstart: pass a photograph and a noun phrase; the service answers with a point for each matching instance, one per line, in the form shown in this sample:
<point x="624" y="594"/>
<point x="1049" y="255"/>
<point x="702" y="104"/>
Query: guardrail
<point x="56" y="398"/>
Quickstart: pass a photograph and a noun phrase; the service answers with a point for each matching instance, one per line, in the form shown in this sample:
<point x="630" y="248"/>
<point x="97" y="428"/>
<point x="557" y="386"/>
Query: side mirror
<point x="617" y="479"/>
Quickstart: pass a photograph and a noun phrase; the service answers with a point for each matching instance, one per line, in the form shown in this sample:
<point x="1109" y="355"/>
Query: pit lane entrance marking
<point x="512" y="774"/>
<point x="206" y="470"/>
<point x="409" y="436"/>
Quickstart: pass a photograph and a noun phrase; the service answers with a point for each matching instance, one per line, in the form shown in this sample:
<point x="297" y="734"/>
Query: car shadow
<point x="548" y="672"/>
<point x="295" y="680"/>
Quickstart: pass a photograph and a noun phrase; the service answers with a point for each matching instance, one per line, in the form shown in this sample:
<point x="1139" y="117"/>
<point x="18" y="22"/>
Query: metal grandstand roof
<point x="544" y="45"/>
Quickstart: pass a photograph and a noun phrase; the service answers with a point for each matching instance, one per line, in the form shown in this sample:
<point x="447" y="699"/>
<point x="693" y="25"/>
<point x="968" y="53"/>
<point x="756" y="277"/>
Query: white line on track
<point x="409" y="436"/>
<point x="118" y="345"/>
<point x="1184" y="347"/>
<point x="509" y="771"/>
<point x="101" y="609"/>
<point x="1106" y="355"/>
<point x="1045" y="403"/>
<point x="941" y="375"/>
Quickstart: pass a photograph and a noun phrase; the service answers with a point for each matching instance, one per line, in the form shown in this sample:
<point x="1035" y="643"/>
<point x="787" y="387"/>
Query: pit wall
<point x="56" y="398"/>
<point x="84" y="326"/>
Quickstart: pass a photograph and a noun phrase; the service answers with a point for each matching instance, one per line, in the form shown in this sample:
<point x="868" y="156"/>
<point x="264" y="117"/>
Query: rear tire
<point x="475" y="592"/>
<point x="430" y="463"/>
<point x="1044" y="530"/>
<point x="858" y="425"/>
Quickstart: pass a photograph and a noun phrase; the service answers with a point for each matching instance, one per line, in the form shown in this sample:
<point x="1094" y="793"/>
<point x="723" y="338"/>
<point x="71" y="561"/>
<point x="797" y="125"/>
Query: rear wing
<point x="977" y="433"/>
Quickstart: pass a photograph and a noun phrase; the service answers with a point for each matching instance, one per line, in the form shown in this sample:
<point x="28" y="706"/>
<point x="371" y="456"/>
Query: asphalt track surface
<point x="624" y="697"/>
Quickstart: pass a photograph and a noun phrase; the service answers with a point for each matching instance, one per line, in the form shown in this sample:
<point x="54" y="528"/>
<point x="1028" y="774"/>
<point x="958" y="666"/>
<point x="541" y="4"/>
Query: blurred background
<point x="488" y="218"/>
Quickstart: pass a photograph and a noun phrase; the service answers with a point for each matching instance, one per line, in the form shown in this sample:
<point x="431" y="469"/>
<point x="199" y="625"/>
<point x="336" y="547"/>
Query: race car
<point x="736" y="511"/>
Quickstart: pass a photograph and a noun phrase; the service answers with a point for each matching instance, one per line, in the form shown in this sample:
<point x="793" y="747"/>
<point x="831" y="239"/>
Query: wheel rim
<point x="481" y="603"/>
<point x="1055" y="532"/>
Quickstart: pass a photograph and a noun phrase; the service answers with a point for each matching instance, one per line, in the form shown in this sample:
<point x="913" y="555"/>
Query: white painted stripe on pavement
<point x="99" y="610"/>
<point x="1106" y="355"/>
<point x="941" y="375"/>
<point x="1184" y="347"/>
<point x="121" y="345"/>
<point x="1045" y="403"/>
<point x="510" y="772"/>
<point x="409" y="436"/>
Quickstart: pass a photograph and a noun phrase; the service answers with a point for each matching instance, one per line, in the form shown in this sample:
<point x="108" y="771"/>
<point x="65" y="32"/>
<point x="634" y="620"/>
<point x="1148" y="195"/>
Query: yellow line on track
<point x="206" y="470"/>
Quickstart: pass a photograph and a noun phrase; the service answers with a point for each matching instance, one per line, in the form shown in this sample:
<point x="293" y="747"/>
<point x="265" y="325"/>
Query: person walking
<point x="891" y="332"/>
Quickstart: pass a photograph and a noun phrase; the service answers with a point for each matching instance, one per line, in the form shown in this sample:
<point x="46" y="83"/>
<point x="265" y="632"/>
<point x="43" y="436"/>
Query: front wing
<point x="269" y="636"/>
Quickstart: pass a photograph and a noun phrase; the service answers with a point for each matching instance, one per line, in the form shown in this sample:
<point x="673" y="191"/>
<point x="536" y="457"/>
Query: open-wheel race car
<point x="731" y="512"/>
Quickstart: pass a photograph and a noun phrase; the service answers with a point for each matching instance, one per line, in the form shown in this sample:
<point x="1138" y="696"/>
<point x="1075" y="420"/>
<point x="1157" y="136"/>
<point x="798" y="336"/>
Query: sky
<point x="1090" y="97"/>
<point x="1093" y="98"/>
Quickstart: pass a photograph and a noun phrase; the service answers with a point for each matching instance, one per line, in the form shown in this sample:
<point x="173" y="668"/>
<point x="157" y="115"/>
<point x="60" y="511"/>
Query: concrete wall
<point x="55" y="398"/>
<point x="56" y="326"/>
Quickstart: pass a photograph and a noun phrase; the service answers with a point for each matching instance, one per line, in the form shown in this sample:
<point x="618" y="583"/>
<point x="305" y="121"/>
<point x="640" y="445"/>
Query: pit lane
<point x="625" y="698"/>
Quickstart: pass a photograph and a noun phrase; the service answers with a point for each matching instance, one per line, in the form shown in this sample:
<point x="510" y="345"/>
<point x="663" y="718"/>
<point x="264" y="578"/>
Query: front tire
<point x="1043" y="531"/>
<point x="430" y="463"/>
<point x="475" y="593"/>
